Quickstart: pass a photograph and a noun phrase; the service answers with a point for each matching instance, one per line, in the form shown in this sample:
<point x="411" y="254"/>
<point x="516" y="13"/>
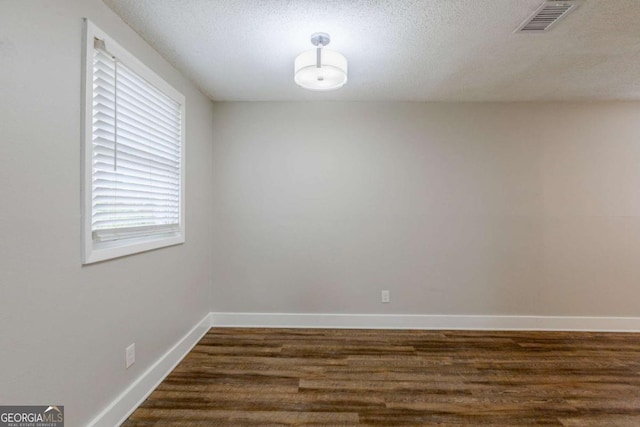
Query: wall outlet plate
<point x="385" y="297"/>
<point x="130" y="355"/>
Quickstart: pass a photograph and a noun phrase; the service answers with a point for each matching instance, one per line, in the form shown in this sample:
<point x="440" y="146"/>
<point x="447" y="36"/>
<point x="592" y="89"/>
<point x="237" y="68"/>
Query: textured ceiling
<point x="430" y="50"/>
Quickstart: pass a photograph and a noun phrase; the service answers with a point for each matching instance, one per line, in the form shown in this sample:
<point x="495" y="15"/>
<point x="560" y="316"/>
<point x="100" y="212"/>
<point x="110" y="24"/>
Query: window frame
<point x="95" y="251"/>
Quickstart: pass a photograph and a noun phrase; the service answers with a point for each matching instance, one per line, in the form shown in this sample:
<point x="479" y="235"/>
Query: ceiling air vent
<point x="547" y="14"/>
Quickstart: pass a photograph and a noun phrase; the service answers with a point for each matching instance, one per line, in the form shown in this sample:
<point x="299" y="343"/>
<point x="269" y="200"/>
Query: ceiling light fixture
<point x="320" y="69"/>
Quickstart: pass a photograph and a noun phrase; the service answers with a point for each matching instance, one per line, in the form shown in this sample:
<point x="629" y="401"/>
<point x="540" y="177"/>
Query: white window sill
<point x="102" y="251"/>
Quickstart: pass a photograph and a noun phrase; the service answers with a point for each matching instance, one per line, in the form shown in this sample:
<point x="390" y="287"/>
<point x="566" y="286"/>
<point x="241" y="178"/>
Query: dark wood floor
<point x="321" y="377"/>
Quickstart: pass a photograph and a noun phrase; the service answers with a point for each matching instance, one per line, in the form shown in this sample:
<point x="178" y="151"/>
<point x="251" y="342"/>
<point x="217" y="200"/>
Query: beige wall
<point x="515" y="209"/>
<point x="300" y="208"/>
<point x="64" y="327"/>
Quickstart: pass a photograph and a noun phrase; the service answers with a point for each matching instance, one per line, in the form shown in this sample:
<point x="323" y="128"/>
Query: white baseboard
<point x="119" y="410"/>
<point x="419" y="321"/>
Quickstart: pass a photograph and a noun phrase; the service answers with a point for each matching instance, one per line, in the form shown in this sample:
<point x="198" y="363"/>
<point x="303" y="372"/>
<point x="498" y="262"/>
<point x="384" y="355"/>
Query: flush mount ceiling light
<point x="320" y="69"/>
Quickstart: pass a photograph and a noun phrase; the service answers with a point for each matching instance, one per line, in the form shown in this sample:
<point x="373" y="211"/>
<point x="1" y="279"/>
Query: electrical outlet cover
<point x="385" y="297"/>
<point x="130" y="355"/>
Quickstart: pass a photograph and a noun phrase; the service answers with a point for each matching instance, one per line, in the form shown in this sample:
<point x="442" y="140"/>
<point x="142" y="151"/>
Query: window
<point x="133" y="154"/>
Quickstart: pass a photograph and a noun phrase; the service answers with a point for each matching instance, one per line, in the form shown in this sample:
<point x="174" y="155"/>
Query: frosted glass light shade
<point x="331" y="75"/>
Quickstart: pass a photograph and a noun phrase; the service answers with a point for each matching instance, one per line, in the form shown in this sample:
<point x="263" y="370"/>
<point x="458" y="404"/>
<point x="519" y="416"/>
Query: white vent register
<point x="549" y="13"/>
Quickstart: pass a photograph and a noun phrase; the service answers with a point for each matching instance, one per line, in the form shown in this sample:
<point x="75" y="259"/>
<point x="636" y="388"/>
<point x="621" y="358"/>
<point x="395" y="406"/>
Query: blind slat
<point x="136" y="155"/>
<point x="132" y="169"/>
<point x="134" y="177"/>
<point x="106" y="139"/>
<point x="105" y="163"/>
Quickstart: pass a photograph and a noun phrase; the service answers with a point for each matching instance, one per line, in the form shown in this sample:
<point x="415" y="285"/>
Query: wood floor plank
<point x="324" y="377"/>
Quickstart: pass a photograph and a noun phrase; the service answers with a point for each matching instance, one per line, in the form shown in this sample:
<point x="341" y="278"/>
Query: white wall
<point x="514" y="209"/>
<point x="64" y="327"/>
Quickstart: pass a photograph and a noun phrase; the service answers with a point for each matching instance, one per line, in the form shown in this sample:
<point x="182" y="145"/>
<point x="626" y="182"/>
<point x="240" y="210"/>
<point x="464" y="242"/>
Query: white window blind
<point x="136" y="153"/>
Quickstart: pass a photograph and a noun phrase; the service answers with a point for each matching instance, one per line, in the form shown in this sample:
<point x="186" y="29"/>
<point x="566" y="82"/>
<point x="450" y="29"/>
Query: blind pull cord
<point x="115" y="117"/>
